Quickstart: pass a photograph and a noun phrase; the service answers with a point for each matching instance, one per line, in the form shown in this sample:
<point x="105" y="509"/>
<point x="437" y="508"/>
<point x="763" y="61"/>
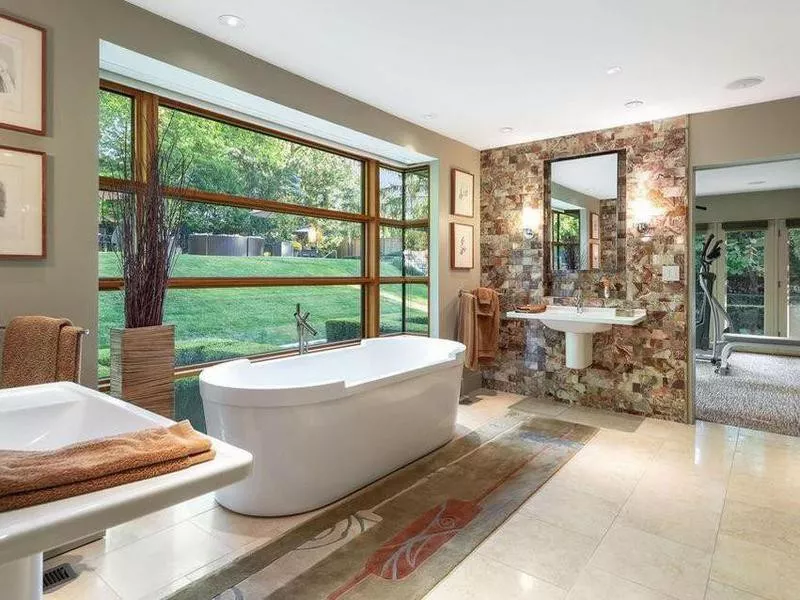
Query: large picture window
<point x="269" y="221"/>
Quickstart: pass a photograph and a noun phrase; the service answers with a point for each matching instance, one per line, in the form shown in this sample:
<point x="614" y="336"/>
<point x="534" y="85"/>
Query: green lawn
<point x="218" y="323"/>
<point x="190" y="265"/>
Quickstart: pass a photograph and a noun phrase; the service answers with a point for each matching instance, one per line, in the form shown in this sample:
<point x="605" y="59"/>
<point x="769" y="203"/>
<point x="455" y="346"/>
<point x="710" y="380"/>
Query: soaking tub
<point x="322" y="425"/>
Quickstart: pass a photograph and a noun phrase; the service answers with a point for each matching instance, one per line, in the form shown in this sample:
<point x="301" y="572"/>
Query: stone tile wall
<point x="643" y="369"/>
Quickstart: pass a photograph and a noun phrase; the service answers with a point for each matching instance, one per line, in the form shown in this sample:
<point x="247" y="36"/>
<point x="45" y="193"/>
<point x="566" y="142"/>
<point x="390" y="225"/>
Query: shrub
<point x="339" y="330"/>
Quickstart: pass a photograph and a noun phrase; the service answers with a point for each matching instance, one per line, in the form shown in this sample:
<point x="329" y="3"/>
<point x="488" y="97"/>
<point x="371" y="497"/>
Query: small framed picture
<point x="22" y="76"/>
<point x="22" y="203"/>
<point x="462" y="193"/>
<point x="594" y="257"/>
<point x="595" y="225"/>
<point x="462" y="247"/>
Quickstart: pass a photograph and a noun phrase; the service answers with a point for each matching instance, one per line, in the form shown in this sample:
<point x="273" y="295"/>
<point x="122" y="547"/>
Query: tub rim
<point x="253" y="396"/>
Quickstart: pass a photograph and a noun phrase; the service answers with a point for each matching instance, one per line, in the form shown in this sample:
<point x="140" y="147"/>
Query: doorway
<point x="747" y="295"/>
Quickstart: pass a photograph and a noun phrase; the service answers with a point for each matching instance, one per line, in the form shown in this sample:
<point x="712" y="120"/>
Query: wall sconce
<point x="643" y="213"/>
<point x="530" y="222"/>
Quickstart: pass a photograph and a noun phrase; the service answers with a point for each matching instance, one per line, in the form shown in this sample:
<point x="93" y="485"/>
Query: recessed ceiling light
<point x="615" y="70"/>
<point x="506" y="129"/>
<point x="634" y="103"/>
<point x="429" y="116"/>
<point x="745" y="82"/>
<point x="758" y="182"/>
<point x="231" y="20"/>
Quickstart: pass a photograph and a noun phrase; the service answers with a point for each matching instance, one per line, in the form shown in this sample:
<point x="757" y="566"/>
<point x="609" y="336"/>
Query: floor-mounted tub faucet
<point x="579" y="301"/>
<point x="303" y="328"/>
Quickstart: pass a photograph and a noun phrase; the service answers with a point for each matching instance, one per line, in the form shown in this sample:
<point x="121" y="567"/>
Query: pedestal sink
<point x="44" y="417"/>
<point x="578" y="327"/>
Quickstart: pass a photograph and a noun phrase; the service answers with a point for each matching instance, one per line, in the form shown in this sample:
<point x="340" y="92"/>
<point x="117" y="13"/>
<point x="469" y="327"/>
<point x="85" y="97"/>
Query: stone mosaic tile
<point x="640" y="370"/>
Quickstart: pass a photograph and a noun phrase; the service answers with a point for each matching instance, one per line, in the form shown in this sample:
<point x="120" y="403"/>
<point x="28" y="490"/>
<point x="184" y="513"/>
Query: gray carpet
<point x="761" y="392"/>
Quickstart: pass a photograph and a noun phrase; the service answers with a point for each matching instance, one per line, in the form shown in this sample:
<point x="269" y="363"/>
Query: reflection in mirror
<point x="583" y="213"/>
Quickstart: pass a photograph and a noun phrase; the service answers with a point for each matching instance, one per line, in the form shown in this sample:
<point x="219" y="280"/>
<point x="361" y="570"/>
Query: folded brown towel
<point x="466" y="329"/>
<point x="488" y="323"/>
<point x="30" y="350"/>
<point x="68" y="361"/>
<point x="28" y="478"/>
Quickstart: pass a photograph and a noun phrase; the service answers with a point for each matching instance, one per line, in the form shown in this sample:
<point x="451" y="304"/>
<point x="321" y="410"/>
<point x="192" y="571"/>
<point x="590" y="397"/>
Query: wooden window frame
<point x="147" y="103"/>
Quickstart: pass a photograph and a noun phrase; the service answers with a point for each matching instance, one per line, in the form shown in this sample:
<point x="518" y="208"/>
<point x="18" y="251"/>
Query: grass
<point x="191" y="265"/>
<point x="218" y="323"/>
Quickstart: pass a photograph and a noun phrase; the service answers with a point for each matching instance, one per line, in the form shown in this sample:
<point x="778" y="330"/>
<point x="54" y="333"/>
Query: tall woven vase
<point x="143" y="367"/>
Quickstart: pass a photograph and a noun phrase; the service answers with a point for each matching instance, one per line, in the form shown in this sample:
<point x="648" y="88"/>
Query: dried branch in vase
<point x="148" y="222"/>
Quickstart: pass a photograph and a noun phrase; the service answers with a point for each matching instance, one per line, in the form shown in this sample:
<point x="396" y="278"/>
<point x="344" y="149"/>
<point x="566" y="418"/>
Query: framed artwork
<point x="462" y="193"/>
<point x="22" y="203"/>
<point x="594" y="256"/>
<point x="462" y="247"/>
<point x="594" y="221"/>
<point x="22" y="76"/>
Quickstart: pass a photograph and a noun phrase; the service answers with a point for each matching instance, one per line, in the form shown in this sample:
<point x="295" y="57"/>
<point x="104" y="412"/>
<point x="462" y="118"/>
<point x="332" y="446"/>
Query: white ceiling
<point x="539" y="67"/>
<point x="594" y="176"/>
<point x="778" y="175"/>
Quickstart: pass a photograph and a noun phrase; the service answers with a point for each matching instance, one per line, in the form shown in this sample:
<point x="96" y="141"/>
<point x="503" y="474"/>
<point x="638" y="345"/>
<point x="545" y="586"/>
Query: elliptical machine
<point x="714" y="321"/>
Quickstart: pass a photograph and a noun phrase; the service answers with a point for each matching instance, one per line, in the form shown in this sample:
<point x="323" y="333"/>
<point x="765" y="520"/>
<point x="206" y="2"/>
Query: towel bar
<point x="82" y="331"/>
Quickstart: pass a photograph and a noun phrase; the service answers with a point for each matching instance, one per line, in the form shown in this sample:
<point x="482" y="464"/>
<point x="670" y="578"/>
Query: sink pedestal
<point x="578" y="350"/>
<point x="22" y="578"/>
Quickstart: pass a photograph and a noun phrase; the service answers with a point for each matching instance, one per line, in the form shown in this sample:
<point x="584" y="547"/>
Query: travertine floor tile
<point x="571" y="509"/>
<point x="481" y="578"/>
<point x="756" y="569"/>
<point x="547" y="552"/>
<point x="654" y="562"/>
<point x="595" y="584"/>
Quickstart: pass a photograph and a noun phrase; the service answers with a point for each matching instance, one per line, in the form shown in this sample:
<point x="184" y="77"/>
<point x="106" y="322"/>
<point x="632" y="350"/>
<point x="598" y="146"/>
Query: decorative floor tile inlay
<point x="397" y="538"/>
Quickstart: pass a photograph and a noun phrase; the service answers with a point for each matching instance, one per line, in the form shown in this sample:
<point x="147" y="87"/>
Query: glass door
<point x="793" y="276"/>
<point x="745" y="272"/>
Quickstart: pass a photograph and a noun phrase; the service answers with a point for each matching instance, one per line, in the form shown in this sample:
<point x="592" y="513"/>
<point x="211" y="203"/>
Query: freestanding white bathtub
<point x="324" y="424"/>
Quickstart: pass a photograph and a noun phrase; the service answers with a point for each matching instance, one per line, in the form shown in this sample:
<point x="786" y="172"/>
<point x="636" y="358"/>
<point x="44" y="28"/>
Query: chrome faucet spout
<point x="303" y="328"/>
<point x="579" y="301"/>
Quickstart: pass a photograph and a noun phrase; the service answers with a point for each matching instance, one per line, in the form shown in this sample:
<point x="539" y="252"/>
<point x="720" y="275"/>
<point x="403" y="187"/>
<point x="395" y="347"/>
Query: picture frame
<point x="23" y="73"/>
<point x="23" y="201"/>
<point x="462" y="246"/>
<point x="594" y="222"/>
<point x="594" y="255"/>
<point x="462" y="193"/>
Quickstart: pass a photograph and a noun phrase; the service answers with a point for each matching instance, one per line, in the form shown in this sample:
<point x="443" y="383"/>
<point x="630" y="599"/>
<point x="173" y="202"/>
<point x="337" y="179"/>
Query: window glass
<point x="220" y="323"/>
<point x="391" y="252"/>
<point x="794" y="283"/>
<point x="417" y="194"/>
<point x="228" y="241"/>
<point x="115" y="143"/>
<point x="416" y="300"/>
<point x="391" y="308"/>
<point x="744" y="261"/>
<point x="391" y="193"/>
<point x="415" y="255"/>
<point x="231" y="160"/>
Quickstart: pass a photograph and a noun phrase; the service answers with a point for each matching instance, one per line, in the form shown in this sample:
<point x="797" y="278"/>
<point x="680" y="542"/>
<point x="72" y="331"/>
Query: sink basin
<point x="579" y="327"/>
<point x="45" y="417"/>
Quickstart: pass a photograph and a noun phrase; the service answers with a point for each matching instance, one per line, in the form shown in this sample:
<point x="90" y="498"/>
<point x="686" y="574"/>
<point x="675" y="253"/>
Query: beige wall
<point x="66" y="283"/>
<point x="777" y="204"/>
<point x="745" y="134"/>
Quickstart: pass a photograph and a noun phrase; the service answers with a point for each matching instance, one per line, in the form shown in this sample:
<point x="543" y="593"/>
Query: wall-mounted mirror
<point x="583" y="212"/>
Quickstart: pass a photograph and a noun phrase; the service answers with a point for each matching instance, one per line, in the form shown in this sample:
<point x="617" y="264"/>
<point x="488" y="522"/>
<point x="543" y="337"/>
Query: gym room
<point x="747" y="294"/>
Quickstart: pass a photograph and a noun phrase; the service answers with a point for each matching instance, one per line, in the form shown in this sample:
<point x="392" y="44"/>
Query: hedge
<point x="340" y="330"/>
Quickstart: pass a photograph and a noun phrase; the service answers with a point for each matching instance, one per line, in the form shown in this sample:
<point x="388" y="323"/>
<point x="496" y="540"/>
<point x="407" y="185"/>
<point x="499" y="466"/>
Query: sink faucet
<point x="303" y="328"/>
<point x="579" y="300"/>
